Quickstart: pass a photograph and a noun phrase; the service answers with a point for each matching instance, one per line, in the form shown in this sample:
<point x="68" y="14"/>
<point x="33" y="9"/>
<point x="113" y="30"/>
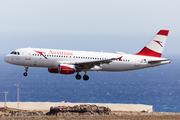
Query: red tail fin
<point x="155" y="47"/>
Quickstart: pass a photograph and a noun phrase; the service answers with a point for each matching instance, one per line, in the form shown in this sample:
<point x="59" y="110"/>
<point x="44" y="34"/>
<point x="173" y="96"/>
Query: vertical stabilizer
<point x="155" y="47"/>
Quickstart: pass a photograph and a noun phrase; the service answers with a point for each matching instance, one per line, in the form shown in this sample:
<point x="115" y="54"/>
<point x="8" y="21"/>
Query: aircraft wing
<point x="88" y="65"/>
<point x="159" y="61"/>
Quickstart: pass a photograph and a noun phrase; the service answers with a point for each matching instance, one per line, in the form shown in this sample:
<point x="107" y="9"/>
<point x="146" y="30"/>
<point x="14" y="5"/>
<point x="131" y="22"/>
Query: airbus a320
<point x="70" y="61"/>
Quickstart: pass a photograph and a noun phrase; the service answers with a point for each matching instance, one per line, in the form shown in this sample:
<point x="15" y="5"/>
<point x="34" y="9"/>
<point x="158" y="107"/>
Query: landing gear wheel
<point x="26" y="69"/>
<point x="78" y="76"/>
<point x="25" y="74"/>
<point x="86" y="77"/>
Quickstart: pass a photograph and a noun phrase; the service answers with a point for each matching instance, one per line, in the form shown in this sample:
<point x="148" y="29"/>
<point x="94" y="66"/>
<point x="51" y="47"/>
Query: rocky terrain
<point x="80" y="110"/>
<point x="84" y="112"/>
<point x="59" y="111"/>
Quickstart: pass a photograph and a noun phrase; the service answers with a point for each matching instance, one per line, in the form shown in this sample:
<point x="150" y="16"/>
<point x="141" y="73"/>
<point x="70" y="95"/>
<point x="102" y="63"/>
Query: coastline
<point x="46" y="106"/>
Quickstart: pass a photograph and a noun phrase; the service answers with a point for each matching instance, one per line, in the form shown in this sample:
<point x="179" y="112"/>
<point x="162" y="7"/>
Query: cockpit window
<point x="12" y="52"/>
<point x="16" y="53"/>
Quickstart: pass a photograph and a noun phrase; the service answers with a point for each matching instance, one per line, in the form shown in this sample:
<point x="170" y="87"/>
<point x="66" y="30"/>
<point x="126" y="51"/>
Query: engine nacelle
<point x="53" y="70"/>
<point x="63" y="69"/>
<point x="66" y="69"/>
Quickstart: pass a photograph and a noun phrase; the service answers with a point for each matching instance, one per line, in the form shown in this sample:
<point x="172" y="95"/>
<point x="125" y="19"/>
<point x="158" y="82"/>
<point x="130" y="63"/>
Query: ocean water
<point x="157" y="86"/>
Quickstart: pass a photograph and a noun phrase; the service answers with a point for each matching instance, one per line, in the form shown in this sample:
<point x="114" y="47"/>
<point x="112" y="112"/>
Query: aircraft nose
<point x="6" y="59"/>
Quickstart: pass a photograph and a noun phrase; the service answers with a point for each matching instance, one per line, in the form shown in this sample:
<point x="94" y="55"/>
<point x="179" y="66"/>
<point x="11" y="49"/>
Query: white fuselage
<point x="29" y="57"/>
<point x="70" y="61"/>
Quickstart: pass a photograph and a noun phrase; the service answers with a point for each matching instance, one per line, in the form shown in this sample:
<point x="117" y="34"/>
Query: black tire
<point x="78" y="77"/>
<point x="86" y="77"/>
<point x="25" y="74"/>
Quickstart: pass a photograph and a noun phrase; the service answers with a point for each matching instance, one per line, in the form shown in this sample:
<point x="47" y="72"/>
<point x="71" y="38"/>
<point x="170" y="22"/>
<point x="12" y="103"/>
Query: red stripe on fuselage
<point x="148" y="52"/>
<point x="41" y="53"/>
<point x="163" y="32"/>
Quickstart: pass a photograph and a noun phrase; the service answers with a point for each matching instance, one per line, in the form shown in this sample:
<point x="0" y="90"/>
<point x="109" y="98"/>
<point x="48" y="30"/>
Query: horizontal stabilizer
<point x="159" y="61"/>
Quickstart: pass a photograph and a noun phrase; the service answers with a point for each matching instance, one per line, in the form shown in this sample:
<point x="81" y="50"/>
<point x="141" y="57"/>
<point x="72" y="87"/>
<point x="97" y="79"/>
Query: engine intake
<point x="67" y="69"/>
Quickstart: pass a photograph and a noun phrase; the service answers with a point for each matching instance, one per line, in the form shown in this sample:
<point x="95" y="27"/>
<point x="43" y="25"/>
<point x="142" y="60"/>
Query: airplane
<point x="70" y="61"/>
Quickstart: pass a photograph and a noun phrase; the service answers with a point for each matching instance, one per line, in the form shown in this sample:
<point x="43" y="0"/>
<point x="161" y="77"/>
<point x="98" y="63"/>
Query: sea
<point x="157" y="86"/>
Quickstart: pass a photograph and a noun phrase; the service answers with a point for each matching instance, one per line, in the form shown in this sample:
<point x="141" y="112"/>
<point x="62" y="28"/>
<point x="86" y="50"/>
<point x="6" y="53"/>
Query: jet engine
<point x="66" y="69"/>
<point x="53" y="70"/>
<point x="63" y="69"/>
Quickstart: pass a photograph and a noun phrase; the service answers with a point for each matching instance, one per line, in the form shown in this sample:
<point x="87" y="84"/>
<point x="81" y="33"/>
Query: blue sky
<point x="92" y="25"/>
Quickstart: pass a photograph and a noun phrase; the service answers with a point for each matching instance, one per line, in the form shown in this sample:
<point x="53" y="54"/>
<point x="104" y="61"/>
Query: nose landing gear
<point x="25" y="73"/>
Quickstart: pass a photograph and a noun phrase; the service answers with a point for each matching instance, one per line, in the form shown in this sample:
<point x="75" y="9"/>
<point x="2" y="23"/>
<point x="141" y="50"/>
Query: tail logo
<point x="159" y="42"/>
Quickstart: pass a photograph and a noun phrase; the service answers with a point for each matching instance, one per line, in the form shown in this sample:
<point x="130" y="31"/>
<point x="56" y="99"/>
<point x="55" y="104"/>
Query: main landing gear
<point x="85" y="77"/>
<point x="78" y="76"/>
<point x="25" y="73"/>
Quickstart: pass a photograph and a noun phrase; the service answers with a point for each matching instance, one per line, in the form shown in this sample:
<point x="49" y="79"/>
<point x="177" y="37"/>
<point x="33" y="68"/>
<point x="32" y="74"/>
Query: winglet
<point x="155" y="47"/>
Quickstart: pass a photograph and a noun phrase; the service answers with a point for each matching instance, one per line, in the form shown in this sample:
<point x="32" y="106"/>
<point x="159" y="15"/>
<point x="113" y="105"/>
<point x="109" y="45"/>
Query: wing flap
<point x="90" y="64"/>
